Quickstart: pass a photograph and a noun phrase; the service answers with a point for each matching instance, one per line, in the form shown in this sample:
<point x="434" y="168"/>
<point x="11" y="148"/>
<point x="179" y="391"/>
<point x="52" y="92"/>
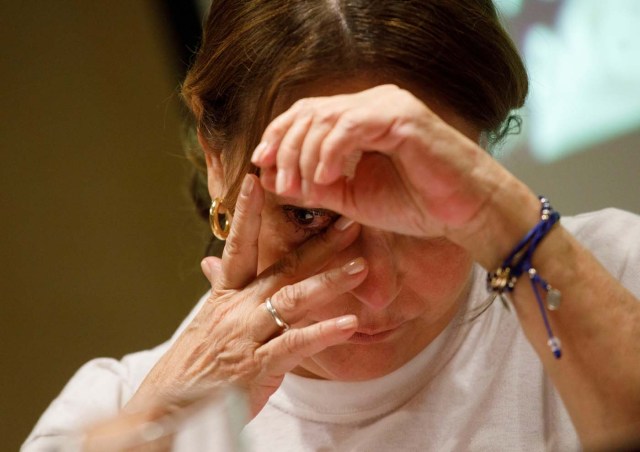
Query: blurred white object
<point x="211" y="422"/>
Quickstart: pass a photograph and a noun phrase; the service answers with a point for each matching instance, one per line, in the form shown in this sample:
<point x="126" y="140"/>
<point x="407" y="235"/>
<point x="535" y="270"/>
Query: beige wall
<point x="99" y="247"/>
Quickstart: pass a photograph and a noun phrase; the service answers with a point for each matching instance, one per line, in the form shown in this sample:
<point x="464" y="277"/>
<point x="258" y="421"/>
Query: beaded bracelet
<point x="504" y="279"/>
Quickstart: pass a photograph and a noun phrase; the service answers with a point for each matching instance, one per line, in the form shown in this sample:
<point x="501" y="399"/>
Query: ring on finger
<point x="276" y="317"/>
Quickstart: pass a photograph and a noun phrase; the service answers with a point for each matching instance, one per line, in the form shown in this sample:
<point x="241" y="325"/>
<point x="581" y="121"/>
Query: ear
<point x="215" y="172"/>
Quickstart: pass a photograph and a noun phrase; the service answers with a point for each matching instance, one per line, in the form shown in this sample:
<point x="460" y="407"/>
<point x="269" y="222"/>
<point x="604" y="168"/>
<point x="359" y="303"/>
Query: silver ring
<point x="276" y="317"/>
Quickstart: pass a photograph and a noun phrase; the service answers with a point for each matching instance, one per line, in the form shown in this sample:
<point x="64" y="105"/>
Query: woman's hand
<point x="380" y="157"/>
<point x="234" y="339"/>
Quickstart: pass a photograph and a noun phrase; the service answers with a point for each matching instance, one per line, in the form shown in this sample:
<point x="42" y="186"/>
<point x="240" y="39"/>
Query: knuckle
<point x="234" y="247"/>
<point x="325" y="116"/>
<point x="408" y="95"/>
<point x="276" y="127"/>
<point x="288" y="297"/>
<point x="287" y="155"/>
<point x="217" y="298"/>
<point x="389" y="87"/>
<point x="403" y="127"/>
<point x="308" y="341"/>
<point x="293" y="341"/>
<point x="321" y="331"/>
<point x="279" y="125"/>
<point x="301" y="104"/>
<point x="348" y="122"/>
<point x="242" y="209"/>
<point x="331" y="280"/>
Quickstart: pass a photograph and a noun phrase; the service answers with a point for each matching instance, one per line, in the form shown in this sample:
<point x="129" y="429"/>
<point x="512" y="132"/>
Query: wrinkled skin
<point x="364" y="300"/>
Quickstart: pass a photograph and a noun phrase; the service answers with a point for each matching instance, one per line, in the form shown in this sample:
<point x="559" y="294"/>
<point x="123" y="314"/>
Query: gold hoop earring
<point x="220" y="232"/>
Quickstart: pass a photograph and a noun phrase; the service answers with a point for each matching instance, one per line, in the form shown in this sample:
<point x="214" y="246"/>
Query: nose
<point x="383" y="282"/>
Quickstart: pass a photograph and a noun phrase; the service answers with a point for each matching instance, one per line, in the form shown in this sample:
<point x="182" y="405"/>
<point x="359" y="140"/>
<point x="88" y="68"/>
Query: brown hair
<point x="254" y="50"/>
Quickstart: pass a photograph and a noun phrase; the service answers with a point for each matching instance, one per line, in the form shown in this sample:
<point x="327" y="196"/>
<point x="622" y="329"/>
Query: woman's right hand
<point x="233" y="338"/>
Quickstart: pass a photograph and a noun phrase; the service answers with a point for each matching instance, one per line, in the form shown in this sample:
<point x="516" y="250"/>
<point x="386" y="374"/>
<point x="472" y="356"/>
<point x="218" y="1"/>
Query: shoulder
<point x="610" y="222"/>
<point x="609" y="232"/>
<point x="98" y="390"/>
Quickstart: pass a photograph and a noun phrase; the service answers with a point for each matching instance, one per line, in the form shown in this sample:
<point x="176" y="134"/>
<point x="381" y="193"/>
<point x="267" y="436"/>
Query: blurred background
<point x="99" y="243"/>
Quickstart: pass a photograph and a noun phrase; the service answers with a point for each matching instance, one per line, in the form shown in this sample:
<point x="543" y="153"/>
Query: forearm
<point x="598" y="321"/>
<point x="140" y="430"/>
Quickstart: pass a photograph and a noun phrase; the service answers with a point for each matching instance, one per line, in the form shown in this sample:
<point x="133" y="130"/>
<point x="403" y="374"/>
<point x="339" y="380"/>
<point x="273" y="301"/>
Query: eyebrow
<point x="292" y="202"/>
<point x="311" y="209"/>
<point x="285" y="200"/>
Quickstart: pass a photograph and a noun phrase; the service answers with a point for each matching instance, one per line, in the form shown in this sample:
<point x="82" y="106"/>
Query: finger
<point x="343" y="140"/>
<point x="350" y="163"/>
<point x="265" y="153"/>
<point x="240" y="255"/>
<point x="309" y="258"/>
<point x="374" y="128"/>
<point x="287" y="159"/>
<point x="268" y="178"/>
<point x="343" y="194"/>
<point x="285" y="352"/>
<point x="310" y="151"/>
<point x="293" y="302"/>
<point x="211" y="267"/>
<point x="309" y="194"/>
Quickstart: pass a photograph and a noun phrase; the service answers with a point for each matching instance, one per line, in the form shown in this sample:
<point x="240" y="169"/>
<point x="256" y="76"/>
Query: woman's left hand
<point x="380" y="157"/>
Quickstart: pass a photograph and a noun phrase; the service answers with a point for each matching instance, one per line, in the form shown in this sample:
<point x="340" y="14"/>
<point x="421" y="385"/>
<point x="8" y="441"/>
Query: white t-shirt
<point x="479" y="386"/>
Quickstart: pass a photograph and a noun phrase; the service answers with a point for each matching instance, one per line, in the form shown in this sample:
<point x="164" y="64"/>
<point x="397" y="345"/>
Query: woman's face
<point x="412" y="291"/>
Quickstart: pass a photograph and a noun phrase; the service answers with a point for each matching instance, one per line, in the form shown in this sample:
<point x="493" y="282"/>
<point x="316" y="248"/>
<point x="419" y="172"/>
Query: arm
<point x="598" y="322"/>
<point x="232" y="339"/>
<point x="95" y="392"/>
<point x="417" y="175"/>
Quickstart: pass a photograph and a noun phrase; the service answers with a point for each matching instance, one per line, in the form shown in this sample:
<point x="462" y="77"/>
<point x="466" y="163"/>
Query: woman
<point x="348" y="300"/>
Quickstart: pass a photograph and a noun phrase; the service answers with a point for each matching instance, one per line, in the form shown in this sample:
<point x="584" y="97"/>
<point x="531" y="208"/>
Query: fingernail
<point x="282" y="181"/>
<point x="347" y="322"/>
<point x="257" y="153"/>
<point x="247" y="186"/>
<point x="343" y="223"/>
<point x="355" y="266"/>
<point x="205" y="268"/>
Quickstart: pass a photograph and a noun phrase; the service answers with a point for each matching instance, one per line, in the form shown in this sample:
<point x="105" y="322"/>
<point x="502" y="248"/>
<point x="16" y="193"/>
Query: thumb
<point x="211" y="267"/>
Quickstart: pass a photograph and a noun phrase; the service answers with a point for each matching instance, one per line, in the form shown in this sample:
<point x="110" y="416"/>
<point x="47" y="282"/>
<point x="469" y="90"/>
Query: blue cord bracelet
<point x="518" y="262"/>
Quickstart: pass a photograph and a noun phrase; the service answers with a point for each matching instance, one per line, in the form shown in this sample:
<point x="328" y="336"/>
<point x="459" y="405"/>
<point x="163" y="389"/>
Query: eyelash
<point x="291" y="212"/>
